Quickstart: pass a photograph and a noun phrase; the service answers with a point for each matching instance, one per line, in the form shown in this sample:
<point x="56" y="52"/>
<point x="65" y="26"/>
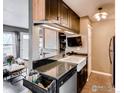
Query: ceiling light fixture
<point x="51" y="27"/>
<point x="100" y="15"/>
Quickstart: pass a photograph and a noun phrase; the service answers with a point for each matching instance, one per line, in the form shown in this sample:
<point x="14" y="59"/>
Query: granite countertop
<point x="56" y="69"/>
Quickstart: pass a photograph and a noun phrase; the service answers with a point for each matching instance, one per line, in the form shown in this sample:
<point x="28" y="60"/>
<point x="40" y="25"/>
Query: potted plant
<point x="10" y="59"/>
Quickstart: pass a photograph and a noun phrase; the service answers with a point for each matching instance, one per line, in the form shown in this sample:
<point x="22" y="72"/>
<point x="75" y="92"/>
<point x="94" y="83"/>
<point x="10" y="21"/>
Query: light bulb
<point x="104" y="16"/>
<point x="101" y="15"/>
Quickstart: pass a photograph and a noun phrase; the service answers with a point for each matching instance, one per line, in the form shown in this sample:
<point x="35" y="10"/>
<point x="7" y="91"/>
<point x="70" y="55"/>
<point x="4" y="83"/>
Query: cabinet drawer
<point x="49" y="85"/>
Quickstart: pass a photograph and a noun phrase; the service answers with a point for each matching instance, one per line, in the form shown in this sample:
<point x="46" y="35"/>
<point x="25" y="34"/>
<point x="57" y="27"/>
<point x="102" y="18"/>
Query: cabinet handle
<point x="57" y="18"/>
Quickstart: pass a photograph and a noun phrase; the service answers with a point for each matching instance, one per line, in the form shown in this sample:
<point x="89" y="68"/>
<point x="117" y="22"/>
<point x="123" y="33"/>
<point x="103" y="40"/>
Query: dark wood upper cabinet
<point x="45" y="10"/>
<point x="74" y="22"/>
<point x="64" y="14"/>
<point x="56" y="11"/>
<point x="77" y="24"/>
<point x="51" y="10"/>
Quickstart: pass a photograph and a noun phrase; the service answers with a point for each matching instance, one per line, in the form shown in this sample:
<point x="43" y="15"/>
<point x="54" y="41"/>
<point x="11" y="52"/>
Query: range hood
<point x="55" y="26"/>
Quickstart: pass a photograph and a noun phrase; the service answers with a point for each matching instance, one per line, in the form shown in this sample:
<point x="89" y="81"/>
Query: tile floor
<point x="96" y="84"/>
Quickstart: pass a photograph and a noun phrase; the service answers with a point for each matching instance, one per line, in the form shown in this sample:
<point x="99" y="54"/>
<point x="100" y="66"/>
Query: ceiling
<point x="90" y="7"/>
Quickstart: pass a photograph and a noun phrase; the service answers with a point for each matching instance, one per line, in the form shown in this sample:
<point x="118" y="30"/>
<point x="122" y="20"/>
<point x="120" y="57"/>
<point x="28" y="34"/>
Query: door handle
<point x="110" y="51"/>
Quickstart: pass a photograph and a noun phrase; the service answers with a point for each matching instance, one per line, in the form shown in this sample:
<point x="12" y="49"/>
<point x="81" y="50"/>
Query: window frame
<point x="13" y="43"/>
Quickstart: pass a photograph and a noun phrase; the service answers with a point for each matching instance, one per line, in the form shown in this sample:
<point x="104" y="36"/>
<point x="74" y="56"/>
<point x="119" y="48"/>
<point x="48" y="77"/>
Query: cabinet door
<point x="38" y="10"/>
<point x="77" y="24"/>
<point x="51" y="10"/>
<point x="64" y="15"/>
<point x="74" y="22"/>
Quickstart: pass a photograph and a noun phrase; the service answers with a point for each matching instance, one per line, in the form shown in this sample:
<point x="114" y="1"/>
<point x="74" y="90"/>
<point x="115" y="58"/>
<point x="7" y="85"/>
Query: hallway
<point x="98" y="84"/>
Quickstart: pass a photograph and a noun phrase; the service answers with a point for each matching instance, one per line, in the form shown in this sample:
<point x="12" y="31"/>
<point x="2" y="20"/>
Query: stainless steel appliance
<point x="70" y="86"/>
<point x="112" y="58"/>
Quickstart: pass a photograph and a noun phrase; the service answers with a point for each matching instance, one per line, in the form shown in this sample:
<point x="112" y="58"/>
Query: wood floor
<point x="98" y="83"/>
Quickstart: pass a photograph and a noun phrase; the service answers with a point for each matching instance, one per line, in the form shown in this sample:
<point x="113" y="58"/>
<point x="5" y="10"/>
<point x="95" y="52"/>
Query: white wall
<point x="51" y="39"/>
<point x="50" y="44"/>
<point x="101" y="34"/>
<point x="86" y="31"/>
<point x="15" y="13"/>
<point x="35" y="42"/>
<point x="84" y="21"/>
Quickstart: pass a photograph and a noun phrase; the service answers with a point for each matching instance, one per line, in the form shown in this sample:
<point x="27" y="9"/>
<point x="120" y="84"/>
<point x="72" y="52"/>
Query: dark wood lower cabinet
<point x="81" y="78"/>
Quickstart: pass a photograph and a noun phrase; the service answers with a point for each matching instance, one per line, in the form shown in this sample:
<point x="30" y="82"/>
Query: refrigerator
<point x="112" y="58"/>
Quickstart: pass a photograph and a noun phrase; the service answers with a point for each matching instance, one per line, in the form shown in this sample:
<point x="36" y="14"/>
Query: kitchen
<point x="51" y="26"/>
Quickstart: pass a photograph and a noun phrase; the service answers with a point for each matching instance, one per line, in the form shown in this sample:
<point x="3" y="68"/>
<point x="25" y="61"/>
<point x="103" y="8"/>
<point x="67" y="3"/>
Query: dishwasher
<point x="68" y="83"/>
<point x="70" y="86"/>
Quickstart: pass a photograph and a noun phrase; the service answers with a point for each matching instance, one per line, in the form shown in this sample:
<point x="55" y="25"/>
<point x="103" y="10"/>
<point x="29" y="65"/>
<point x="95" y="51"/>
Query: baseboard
<point x="102" y="73"/>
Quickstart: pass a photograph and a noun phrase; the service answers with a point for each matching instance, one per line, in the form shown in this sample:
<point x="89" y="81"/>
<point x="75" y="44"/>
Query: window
<point x="16" y="47"/>
<point x="9" y="44"/>
<point x="24" y="45"/>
